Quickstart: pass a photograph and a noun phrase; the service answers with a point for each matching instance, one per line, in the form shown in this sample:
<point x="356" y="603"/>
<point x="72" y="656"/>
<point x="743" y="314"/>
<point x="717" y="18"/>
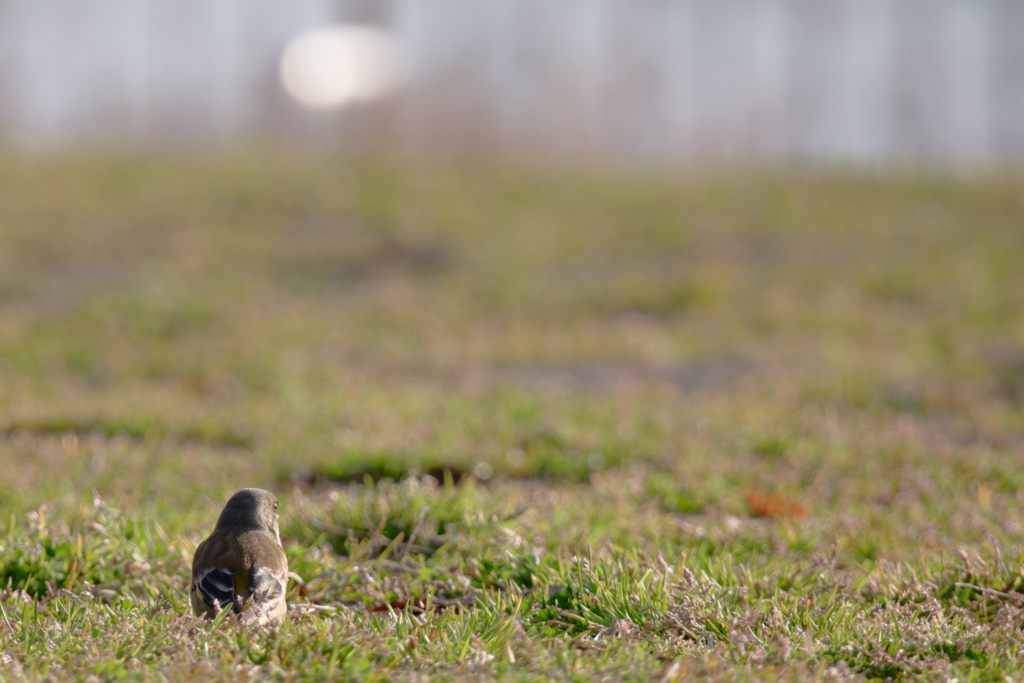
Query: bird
<point x="242" y="564"/>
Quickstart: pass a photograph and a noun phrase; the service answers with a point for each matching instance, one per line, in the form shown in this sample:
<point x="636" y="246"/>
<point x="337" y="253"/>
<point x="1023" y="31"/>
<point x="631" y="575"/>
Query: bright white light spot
<point x="335" y="66"/>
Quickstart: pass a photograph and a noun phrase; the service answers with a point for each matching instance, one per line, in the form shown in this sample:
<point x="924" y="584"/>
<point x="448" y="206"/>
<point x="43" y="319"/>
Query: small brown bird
<point x="242" y="563"/>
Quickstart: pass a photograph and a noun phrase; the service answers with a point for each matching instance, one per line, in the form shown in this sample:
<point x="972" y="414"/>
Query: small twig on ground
<point x="6" y="620"/>
<point x="339" y="530"/>
<point x="412" y="536"/>
<point x="358" y="533"/>
<point x="982" y="589"/>
<point x="515" y="513"/>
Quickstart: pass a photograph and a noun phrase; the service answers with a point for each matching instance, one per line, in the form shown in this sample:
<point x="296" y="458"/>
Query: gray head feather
<point x="251" y="509"/>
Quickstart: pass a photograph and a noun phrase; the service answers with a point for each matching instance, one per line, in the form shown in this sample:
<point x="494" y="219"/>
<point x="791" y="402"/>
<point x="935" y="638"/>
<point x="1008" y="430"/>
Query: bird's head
<point x="251" y="509"/>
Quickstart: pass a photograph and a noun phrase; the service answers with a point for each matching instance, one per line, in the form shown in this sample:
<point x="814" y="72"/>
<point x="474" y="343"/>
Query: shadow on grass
<point x="139" y="428"/>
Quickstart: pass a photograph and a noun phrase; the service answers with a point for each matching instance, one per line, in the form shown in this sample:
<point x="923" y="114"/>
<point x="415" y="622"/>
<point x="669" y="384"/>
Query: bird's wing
<point x="247" y="570"/>
<point x="216" y="569"/>
<point x="267" y="584"/>
<point x="215" y="586"/>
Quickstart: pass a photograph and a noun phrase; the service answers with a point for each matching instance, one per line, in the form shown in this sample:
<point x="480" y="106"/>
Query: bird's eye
<point x="275" y="506"/>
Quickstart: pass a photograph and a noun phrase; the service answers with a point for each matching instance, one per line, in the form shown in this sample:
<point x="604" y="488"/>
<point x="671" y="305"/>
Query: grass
<point x="524" y="424"/>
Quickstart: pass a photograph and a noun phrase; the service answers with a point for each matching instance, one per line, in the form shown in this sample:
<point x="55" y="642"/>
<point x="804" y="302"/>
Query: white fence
<point x="651" y="81"/>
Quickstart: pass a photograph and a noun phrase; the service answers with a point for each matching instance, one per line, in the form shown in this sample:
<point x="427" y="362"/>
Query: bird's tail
<point x="250" y="612"/>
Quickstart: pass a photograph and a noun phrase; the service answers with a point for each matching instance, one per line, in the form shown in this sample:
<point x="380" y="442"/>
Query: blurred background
<point x="718" y="247"/>
<point x="938" y="83"/>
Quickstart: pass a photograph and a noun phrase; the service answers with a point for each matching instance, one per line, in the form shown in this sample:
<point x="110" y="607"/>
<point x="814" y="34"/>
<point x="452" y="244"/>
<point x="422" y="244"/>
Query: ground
<point x="525" y="424"/>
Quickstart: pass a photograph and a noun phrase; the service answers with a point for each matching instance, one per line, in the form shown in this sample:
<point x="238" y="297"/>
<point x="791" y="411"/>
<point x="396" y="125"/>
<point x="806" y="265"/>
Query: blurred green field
<point x="525" y="424"/>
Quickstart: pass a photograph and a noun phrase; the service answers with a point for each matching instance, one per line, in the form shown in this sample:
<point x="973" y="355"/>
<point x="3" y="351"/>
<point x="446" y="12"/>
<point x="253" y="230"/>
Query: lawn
<point x="524" y="424"/>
